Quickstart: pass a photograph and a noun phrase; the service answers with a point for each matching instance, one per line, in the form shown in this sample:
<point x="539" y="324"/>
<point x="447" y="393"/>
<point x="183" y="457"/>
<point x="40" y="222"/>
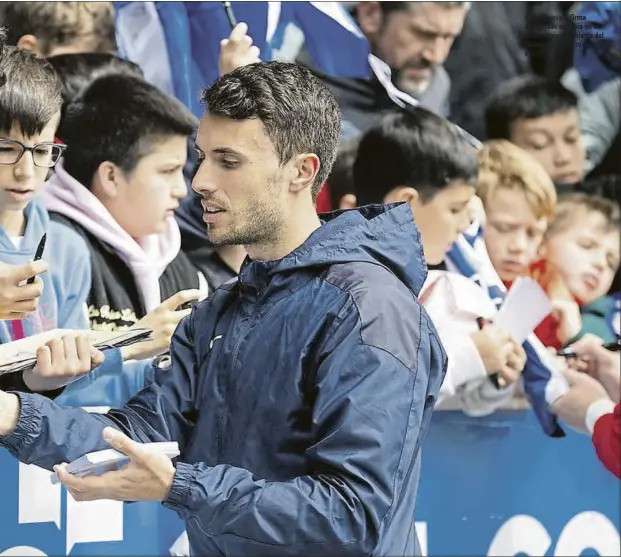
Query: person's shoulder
<point x="66" y="242"/>
<point x="374" y="290"/>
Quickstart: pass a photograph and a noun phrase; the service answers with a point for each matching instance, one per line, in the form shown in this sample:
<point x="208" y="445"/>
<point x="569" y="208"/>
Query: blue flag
<point x="192" y="32"/>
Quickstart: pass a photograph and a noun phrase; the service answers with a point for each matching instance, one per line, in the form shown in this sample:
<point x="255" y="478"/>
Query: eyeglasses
<point x="44" y="155"/>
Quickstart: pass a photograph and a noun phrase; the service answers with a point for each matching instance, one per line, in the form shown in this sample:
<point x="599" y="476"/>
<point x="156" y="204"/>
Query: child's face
<point x="442" y="218"/>
<point x="586" y="254"/>
<point x="150" y="194"/>
<point x="20" y="182"/>
<point x="555" y="141"/>
<point x="513" y="233"/>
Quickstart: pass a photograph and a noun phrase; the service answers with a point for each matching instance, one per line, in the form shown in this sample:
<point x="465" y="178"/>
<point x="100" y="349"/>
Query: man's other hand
<point x="148" y="476"/>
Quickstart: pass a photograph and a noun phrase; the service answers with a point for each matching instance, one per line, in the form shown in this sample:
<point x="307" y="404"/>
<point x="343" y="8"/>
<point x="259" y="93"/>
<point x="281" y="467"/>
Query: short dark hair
<point x="527" y="96"/>
<point x="117" y="118"/>
<point x="58" y="23"/>
<point x="30" y="98"/>
<point x="298" y="112"/>
<point x="77" y="71"/>
<point x="411" y="147"/>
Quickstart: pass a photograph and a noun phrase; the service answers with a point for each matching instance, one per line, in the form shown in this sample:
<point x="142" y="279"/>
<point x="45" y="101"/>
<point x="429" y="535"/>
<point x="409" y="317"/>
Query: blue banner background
<point x="477" y="475"/>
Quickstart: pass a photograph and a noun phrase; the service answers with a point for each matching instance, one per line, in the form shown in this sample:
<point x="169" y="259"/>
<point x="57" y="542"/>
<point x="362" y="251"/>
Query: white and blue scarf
<point x="543" y="380"/>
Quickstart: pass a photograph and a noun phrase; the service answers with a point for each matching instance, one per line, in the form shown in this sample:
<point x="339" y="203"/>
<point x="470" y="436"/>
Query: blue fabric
<point x="597" y="58"/>
<point x="299" y="395"/>
<point x="63" y="306"/>
<point x="111" y="384"/>
<point x="193" y="32"/>
<point x="65" y="286"/>
<point x="536" y="374"/>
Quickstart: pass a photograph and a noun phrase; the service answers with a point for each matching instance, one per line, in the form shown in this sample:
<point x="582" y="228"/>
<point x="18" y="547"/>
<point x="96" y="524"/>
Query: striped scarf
<point x="543" y="380"/>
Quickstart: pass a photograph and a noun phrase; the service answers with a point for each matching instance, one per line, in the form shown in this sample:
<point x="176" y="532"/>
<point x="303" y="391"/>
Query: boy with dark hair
<point x="541" y="117"/>
<point x="418" y="157"/>
<point x="51" y="28"/>
<point x="118" y="186"/>
<point x="77" y="71"/>
<point x="30" y="102"/>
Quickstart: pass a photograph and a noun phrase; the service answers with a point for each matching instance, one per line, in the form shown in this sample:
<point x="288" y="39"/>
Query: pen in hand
<point x="569" y="353"/>
<point x="38" y="255"/>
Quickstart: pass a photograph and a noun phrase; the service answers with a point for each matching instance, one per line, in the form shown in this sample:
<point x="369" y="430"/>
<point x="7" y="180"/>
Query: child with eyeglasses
<point x="30" y="105"/>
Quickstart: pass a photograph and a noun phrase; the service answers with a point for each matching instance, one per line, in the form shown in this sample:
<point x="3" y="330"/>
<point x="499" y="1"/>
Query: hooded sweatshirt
<point x="63" y="306"/>
<point x="65" y="286"/>
<point x="130" y="277"/>
<point x="299" y="394"/>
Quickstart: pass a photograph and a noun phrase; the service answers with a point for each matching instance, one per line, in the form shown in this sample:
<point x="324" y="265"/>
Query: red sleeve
<point x="323" y="200"/>
<point x="607" y="441"/>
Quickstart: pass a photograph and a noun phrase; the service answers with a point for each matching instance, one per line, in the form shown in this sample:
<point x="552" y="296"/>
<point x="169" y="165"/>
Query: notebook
<point x="21" y="355"/>
<point x="99" y="462"/>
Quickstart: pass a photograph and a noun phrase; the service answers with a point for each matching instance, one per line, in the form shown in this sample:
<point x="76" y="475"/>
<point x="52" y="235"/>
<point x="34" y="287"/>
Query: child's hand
<point x="567" y="314"/>
<point x="61" y="361"/>
<point x="18" y="299"/>
<point x="163" y="320"/>
<point x="499" y="353"/>
<point x="237" y="50"/>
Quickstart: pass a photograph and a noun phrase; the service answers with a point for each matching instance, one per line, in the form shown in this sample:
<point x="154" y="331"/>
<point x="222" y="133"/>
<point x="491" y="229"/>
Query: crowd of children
<point x="97" y="159"/>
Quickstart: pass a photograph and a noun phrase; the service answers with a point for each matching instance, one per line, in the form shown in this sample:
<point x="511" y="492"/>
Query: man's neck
<point x="292" y="237"/>
<point x="233" y="256"/>
<point x="13" y="223"/>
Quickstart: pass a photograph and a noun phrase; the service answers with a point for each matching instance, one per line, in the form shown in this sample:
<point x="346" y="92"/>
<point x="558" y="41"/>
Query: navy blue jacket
<point x="299" y="395"/>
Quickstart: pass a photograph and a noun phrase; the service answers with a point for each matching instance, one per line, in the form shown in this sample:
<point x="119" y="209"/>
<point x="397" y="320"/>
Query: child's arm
<point x="111" y="384"/>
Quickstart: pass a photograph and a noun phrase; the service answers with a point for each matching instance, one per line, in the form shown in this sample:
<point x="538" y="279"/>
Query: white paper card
<point x="525" y="306"/>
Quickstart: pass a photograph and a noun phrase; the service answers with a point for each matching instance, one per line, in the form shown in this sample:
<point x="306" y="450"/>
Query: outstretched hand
<point x="148" y="475"/>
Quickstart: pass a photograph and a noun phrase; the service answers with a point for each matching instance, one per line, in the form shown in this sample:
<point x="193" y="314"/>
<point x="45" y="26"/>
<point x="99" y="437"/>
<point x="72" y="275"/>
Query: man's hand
<point x="601" y="364"/>
<point x="572" y="407"/>
<point x="567" y="314"/>
<point x="499" y="353"/>
<point x="16" y="301"/>
<point x="163" y="320"/>
<point x="9" y="413"/>
<point x="147" y="477"/>
<point x="237" y="50"/>
<point x="62" y="361"/>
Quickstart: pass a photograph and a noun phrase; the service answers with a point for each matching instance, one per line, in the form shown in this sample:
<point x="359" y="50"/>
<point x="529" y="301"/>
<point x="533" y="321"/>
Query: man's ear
<point x="348" y="201"/>
<point x="29" y="43"/>
<point x="403" y="193"/>
<point x="107" y="180"/>
<point x="370" y="18"/>
<point x="305" y="168"/>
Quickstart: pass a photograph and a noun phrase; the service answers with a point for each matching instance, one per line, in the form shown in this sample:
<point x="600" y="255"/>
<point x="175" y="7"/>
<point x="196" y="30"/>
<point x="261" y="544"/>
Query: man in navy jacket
<point x="299" y="393"/>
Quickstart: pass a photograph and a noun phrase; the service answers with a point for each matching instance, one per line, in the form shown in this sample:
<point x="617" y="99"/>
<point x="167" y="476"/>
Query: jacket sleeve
<point x="368" y="418"/>
<point x="47" y="434"/>
<point x="111" y="384"/>
<point x="607" y="440"/>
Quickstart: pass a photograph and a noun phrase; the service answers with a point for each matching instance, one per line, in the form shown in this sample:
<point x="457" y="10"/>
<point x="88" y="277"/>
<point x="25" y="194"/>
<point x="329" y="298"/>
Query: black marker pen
<point x="38" y="255"/>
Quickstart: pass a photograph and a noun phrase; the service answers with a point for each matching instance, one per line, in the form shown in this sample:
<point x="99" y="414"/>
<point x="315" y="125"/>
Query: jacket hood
<point x="37" y="221"/>
<point x="384" y="235"/>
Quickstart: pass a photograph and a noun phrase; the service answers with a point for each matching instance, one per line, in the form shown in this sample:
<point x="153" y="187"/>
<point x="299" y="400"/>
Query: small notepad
<point x="21" y="355"/>
<point x="525" y="306"/>
<point x="97" y="463"/>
